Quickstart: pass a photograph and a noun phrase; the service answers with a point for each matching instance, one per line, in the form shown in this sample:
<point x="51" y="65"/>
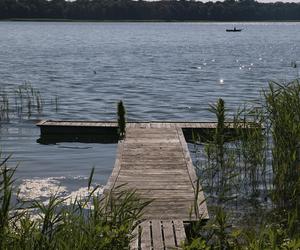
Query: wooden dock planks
<point x="156" y="163"/>
<point x="150" y="124"/>
<point x="109" y="129"/>
<point x="153" y="160"/>
<point x="159" y="235"/>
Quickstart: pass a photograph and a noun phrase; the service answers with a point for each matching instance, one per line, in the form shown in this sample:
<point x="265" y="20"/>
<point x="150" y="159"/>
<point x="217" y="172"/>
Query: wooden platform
<point x="156" y="163"/>
<point x="154" y="160"/>
<point x="158" y="234"/>
<point x="107" y="131"/>
<point x="53" y="126"/>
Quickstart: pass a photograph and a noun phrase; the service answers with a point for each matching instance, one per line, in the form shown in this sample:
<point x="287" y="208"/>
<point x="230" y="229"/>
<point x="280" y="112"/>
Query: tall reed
<point x="251" y="146"/>
<point x="28" y="99"/>
<point x="254" y="157"/>
<point x="283" y="108"/>
<point x="23" y="102"/>
<point x="121" y="112"/>
<point x="93" y="222"/>
<point x="4" y="106"/>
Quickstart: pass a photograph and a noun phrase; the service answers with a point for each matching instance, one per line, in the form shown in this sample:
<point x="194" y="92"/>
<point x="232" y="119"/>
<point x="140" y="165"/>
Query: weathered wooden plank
<point x="179" y="232"/>
<point x="145" y="235"/>
<point x="169" y="237"/>
<point x="162" y="197"/>
<point x="153" y="137"/>
<point x="154" y="186"/>
<point x="113" y="178"/>
<point x="158" y="175"/>
<point x="163" y="146"/>
<point x="163" y="125"/>
<point x="129" y="126"/>
<point x="149" y="131"/>
<point x="165" y="194"/>
<point x="157" y="235"/>
<point x="202" y="207"/>
<point x="126" y="179"/>
<point x="40" y="123"/>
<point x="158" y="179"/>
<point x="146" y="171"/>
<point x="148" y="167"/>
<point x="150" y="140"/>
<point x="159" y="186"/>
<point x="168" y="216"/>
<point x="154" y="125"/>
<point x="189" y="164"/>
<point x="152" y="156"/>
<point x="171" y="205"/>
<point x="147" y="162"/>
<point x="154" y="160"/>
<point x="134" y="243"/>
<point x="135" y="149"/>
<point x="165" y="215"/>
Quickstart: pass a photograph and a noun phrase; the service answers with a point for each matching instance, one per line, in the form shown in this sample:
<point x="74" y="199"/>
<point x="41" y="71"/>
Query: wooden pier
<point x="154" y="160"/>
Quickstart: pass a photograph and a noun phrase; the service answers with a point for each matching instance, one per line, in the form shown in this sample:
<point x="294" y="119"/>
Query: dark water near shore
<point x="162" y="71"/>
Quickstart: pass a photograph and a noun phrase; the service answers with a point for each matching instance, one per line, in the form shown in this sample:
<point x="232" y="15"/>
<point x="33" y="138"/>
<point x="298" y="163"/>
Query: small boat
<point x="233" y="30"/>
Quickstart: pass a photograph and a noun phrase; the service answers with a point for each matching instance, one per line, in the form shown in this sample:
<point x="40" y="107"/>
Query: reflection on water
<point x="105" y="138"/>
<point x="60" y="167"/>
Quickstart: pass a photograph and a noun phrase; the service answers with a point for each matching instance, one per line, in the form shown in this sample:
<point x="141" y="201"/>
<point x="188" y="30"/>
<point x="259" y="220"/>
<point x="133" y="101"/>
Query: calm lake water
<point x="162" y="71"/>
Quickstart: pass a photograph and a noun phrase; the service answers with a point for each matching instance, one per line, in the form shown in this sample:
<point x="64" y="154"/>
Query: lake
<point x="162" y="71"/>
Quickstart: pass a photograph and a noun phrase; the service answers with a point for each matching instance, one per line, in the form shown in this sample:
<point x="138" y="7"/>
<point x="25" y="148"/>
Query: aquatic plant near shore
<point x="252" y="150"/>
<point x="121" y="119"/>
<point x="4" y="106"/>
<point x="221" y="169"/>
<point x="25" y="101"/>
<point x="283" y="110"/>
<point x="276" y="225"/>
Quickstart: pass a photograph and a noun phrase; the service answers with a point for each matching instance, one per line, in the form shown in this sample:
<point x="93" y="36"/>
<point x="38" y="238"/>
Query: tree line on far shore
<point x="229" y="10"/>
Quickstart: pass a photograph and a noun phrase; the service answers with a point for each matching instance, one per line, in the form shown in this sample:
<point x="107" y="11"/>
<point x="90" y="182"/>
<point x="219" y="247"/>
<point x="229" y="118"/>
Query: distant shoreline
<point x="141" y="21"/>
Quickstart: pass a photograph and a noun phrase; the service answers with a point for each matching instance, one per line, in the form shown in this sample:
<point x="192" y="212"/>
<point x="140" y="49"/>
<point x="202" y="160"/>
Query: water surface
<point x="162" y="71"/>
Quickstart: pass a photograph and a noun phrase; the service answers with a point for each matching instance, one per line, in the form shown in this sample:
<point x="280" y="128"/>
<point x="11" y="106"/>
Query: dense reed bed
<point x="251" y="177"/>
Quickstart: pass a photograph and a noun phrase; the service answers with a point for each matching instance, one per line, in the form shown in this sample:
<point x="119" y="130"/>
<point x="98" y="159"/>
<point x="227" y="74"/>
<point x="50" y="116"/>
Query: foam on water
<point x="41" y="188"/>
<point x="44" y="188"/>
